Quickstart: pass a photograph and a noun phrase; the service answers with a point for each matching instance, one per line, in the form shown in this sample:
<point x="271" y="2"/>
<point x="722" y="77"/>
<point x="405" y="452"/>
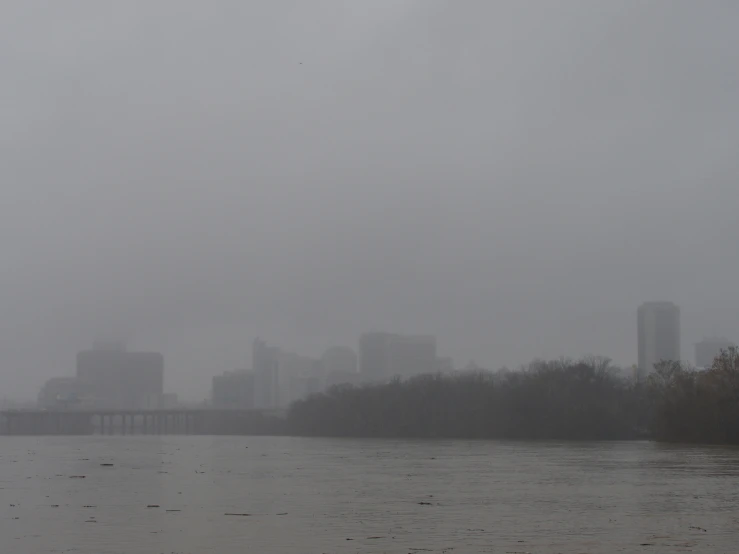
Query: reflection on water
<point x="171" y="494"/>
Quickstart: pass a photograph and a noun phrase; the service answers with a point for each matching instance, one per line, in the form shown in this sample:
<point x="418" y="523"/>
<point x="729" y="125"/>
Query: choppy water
<point x="319" y="495"/>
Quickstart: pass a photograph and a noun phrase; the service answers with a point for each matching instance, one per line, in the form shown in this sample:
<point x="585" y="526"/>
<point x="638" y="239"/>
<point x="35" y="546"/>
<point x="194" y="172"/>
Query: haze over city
<point x="186" y="176"/>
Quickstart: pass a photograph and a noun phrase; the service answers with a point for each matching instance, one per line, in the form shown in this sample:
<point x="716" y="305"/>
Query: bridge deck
<point x="148" y="421"/>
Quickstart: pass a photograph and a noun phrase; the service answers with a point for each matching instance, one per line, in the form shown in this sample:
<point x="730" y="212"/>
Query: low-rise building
<point x="60" y="393"/>
<point x="708" y="349"/>
<point x="339" y="358"/>
<point x="233" y="389"/>
<point x="343" y="378"/>
<point x="169" y="401"/>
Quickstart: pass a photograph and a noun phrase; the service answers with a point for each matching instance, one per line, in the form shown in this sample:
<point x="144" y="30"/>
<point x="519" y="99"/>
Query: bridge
<point x="191" y="421"/>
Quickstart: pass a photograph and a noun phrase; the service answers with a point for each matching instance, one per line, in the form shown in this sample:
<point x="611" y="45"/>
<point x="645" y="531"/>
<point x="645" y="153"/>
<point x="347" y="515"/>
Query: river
<point x="164" y="495"/>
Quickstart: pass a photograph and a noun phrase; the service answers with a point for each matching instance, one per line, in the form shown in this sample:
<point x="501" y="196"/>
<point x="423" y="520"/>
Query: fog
<point x="514" y="177"/>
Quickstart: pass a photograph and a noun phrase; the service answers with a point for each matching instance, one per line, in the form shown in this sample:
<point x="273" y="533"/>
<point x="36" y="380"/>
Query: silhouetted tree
<point x="559" y="399"/>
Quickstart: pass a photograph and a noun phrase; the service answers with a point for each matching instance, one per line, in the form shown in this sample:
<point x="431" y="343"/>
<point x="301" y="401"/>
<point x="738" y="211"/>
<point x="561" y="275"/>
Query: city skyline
<point x="515" y="183"/>
<point x="691" y="333"/>
<point x="277" y="377"/>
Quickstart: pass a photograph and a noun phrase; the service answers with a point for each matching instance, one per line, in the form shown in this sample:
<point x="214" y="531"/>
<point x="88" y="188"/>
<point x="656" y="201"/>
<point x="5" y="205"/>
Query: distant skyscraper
<point x="374" y="362"/>
<point x="234" y="389"/>
<point x="339" y="358"/>
<point x="411" y="355"/>
<point x="386" y="355"/>
<point x="339" y="365"/>
<point x="298" y="376"/>
<point x="265" y="364"/>
<point x="707" y="349"/>
<point x="117" y="379"/>
<point x="658" y="327"/>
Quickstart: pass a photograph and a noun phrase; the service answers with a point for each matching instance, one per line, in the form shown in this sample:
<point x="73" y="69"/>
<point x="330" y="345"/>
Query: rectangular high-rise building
<point x="658" y="327"/>
<point x="386" y="355"/>
<point x="265" y="364"/>
<point x="234" y="389"/>
<point x="707" y="349"/>
<point x="374" y="361"/>
<point x="411" y="355"/>
<point x="297" y="375"/>
<point x="117" y="379"/>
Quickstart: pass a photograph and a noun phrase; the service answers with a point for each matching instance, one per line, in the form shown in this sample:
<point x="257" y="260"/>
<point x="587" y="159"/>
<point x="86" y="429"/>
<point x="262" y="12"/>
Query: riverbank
<point x="550" y="400"/>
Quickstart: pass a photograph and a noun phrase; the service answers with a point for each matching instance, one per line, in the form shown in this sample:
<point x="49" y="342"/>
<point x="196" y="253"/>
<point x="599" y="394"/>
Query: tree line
<point x="587" y="399"/>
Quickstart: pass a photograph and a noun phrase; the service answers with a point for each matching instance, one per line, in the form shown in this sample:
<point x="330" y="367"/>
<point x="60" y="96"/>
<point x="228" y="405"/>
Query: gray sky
<point x="515" y="177"/>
